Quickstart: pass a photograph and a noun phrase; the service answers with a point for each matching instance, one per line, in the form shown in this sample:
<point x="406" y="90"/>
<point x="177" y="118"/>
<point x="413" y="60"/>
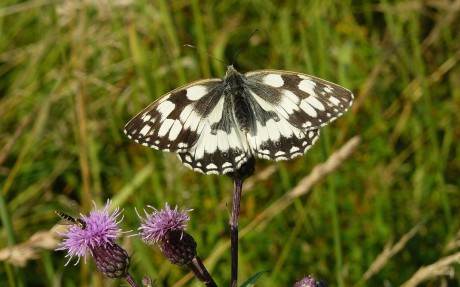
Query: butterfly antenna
<point x="243" y="46"/>
<point x="204" y="52"/>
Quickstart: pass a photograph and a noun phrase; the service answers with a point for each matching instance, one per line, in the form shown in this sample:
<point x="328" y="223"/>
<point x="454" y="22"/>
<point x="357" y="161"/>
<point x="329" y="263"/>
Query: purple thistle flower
<point x="310" y="281"/>
<point x="166" y="228"/>
<point x="96" y="234"/>
<point x="156" y="225"/>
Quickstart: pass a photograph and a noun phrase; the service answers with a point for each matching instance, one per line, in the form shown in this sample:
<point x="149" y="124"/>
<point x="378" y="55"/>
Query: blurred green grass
<point x="72" y="73"/>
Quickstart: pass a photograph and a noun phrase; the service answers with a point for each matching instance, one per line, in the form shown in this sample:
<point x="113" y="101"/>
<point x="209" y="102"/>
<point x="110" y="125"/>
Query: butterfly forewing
<point x="217" y="125"/>
<point x="173" y="122"/>
<point x="305" y="101"/>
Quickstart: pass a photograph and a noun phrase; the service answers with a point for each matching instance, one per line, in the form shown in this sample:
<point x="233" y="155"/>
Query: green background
<point x="72" y="73"/>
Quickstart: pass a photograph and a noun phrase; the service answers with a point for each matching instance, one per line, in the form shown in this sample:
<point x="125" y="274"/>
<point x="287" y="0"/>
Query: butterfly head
<point x="231" y="71"/>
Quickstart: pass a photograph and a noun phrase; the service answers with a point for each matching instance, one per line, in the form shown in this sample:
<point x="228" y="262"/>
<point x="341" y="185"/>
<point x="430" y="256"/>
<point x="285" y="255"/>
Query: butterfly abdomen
<point x="236" y="94"/>
<point x="243" y="113"/>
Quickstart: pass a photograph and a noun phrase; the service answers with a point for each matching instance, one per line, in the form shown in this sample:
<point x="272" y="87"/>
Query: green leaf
<point x="252" y="280"/>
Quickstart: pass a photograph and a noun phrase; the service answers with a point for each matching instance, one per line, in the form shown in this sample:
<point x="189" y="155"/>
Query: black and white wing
<point x="289" y="110"/>
<point x="215" y="126"/>
<point x="196" y="122"/>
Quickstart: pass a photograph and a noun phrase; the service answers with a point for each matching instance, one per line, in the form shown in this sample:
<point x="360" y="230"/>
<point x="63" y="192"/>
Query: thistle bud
<point x="179" y="247"/>
<point x="111" y="259"/>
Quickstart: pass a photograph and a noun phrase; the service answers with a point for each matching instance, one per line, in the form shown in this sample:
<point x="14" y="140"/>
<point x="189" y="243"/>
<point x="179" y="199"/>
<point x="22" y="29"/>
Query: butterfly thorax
<point x="236" y="94"/>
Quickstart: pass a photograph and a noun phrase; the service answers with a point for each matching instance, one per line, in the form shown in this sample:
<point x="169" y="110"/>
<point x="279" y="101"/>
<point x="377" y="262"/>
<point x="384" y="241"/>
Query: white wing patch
<point x="195" y="93"/>
<point x="308" y="108"/>
<point x="175" y="130"/>
<point x="289" y="102"/>
<point x="165" y="127"/>
<point x="307" y="86"/>
<point x="273" y="80"/>
<point x="216" y="114"/>
<point x="144" y="130"/>
<point x="315" y="103"/>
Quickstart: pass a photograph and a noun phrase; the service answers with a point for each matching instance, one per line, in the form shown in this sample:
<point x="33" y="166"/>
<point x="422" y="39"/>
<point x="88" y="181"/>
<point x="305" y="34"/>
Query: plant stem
<point x="237" y="187"/>
<point x="197" y="267"/>
<point x="131" y="281"/>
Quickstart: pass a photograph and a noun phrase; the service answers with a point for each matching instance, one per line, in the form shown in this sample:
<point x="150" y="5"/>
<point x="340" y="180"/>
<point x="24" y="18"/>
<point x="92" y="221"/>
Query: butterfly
<point x="217" y="125"/>
<point x="79" y="222"/>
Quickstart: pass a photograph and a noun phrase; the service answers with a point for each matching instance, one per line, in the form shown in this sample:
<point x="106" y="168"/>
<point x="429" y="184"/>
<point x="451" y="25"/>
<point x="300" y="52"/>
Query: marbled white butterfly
<point x="217" y="125"/>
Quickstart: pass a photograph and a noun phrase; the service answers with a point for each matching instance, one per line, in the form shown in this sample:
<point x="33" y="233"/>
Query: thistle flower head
<point x="156" y="225"/>
<point x="310" y="281"/>
<point x="99" y="228"/>
<point x="96" y="235"/>
<point x="166" y="228"/>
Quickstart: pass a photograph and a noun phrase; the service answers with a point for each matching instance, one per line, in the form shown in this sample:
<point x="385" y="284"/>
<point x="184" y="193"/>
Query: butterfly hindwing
<point x="277" y="139"/>
<point x="271" y="135"/>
